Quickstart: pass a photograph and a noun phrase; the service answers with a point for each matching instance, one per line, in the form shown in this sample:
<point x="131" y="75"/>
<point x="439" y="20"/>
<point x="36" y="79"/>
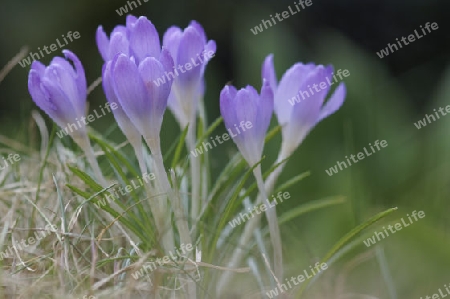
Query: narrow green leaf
<point x="292" y="181"/>
<point x="86" y="178"/>
<point x="340" y="244"/>
<point x="309" y="207"/>
<point x="211" y="128"/>
<point x="180" y="145"/>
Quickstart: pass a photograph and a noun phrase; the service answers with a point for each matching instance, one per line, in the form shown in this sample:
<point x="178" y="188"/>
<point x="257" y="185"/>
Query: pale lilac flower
<point x="134" y="59"/>
<point x="189" y="49"/>
<point x="142" y="100"/>
<point x="246" y="105"/>
<point x="299" y="118"/>
<point x="60" y="90"/>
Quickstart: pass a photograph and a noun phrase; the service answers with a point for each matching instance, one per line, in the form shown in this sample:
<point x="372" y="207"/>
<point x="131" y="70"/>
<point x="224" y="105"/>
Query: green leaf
<point x="211" y="128"/>
<point x="340" y="244"/>
<point x="180" y="145"/>
<point x="86" y="178"/>
<point x="309" y="207"/>
<point x="292" y="181"/>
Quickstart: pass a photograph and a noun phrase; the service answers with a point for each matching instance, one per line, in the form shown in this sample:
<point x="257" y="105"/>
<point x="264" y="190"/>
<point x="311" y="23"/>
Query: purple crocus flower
<point x="134" y="62"/>
<point x="142" y="100"/>
<point x="191" y="52"/>
<point x="60" y="91"/>
<point x="247" y="116"/>
<point x="299" y="103"/>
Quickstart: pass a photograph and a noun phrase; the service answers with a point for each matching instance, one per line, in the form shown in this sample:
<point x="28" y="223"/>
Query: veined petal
<point x="171" y="41"/>
<point x="227" y="105"/>
<point x="307" y="111"/>
<point x="80" y="77"/>
<point x="265" y="108"/>
<point x="268" y="72"/>
<point x="118" y="44"/>
<point x="199" y="28"/>
<point x="150" y="69"/>
<point x="144" y="39"/>
<point x="125" y="124"/>
<point x="288" y="88"/>
<point x="130" y="20"/>
<point x="334" y="103"/>
<point x="130" y="91"/>
<point x="63" y="112"/>
<point x="190" y="48"/>
<point x="102" y="43"/>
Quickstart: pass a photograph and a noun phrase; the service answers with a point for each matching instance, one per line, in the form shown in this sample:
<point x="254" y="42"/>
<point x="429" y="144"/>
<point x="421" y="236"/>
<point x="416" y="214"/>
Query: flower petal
<point x="171" y="41"/>
<point x="334" y="103"/>
<point x="150" y="70"/>
<point x="130" y="91"/>
<point x="118" y="44"/>
<point x="80" y="77"/>
<point x="125" y="124"/>
<point x="102" y="43"/>
<point x="288" y="88"/>
<point x="199" y="28"/>
<point x="191" y="45"/>
<point x="130" y="20"/>
<point x="265" y="108"/>
<point x="268" y="72"/>
<point x="227" y="105"/>
<point x="144" y="39"/>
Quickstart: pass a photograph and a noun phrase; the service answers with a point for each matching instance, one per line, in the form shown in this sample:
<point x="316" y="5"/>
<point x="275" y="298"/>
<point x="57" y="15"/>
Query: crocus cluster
<point x="135" y="63"/>
<point x="296" y="121"/>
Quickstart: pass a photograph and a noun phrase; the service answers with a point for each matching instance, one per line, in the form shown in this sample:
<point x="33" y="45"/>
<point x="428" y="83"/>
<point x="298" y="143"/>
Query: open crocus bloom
<point x="191" y="52"/>
<point x="301" y="81"/>
<point x="60" y="90"/>
<point x="246" y="105"/>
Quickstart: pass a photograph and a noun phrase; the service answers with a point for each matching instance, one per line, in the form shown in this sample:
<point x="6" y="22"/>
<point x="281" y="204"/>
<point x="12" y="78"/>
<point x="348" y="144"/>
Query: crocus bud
<point x="240" y="107"/>
<point x="191" y="52"/>
<point x="60" y="91"/>
<point x="127" y="127"/>
<point x="142" y="100"/>
<point x="298" y="102"/>
<point x="137" y="40"/>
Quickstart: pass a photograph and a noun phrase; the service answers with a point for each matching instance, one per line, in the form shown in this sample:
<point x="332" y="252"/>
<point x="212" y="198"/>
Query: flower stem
<point x="250" y="226"/>
<point x="195" y="172"/>
<point x="271" y="214"/>
<point x="84" y="143"/>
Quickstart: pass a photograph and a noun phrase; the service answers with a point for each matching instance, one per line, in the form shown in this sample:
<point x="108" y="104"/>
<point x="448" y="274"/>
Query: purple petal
<point x="227" y="105"/>
<point x="268" y="72"/>
<point x="130" y="91"/>
<point x="60" y="74"/>
<point x="144" y="39"/>
<point x="150" y="70"/>
<point x="130" y="20"/>
<point x="199" y="29"/>
<point x="118" y="44"/>
<point x="38" y="67"/>
<point x="80" y="77"/>
<point x="171" y="41"/>
<point x="51" y="100"/>
<point x="265" y="107"/>
<point x="125" y="124"/>
<point x="307" y="111"/>
<point x="209" y="52"/>
<point x="191" y="45"/>
<point x="102" y="43"/>
<point x="288" y="89"/>
<point x="334" y="103"/>
<point x="40" y="97"/>
<point x="166" y="60"/>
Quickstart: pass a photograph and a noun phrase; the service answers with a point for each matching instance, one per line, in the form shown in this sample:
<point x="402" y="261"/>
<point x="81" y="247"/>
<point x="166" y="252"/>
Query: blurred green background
<point x="385" y="97"/>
